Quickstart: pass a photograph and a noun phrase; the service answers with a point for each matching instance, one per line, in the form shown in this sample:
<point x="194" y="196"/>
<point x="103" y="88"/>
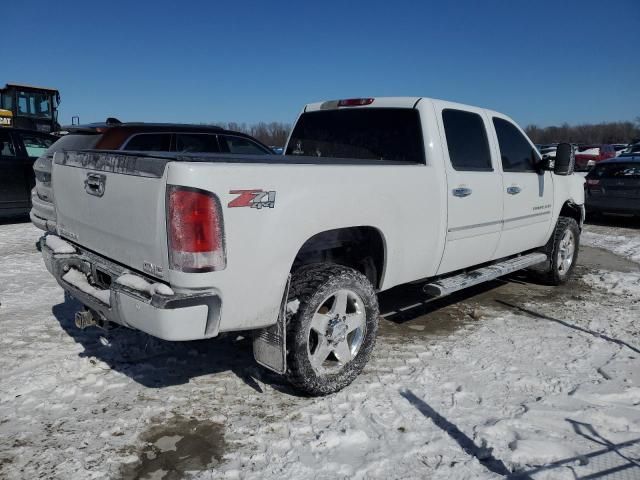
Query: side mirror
<point x="565" y="159"/>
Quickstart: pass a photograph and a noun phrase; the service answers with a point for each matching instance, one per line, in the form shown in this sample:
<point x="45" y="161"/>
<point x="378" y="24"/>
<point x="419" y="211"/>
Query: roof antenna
<point x="113" y="121"/>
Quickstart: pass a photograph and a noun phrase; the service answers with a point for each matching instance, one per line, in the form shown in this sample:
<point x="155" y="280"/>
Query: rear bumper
<point x="181" y="316"/>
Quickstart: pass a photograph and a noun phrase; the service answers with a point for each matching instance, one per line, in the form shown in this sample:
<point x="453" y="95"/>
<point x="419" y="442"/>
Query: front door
<point x="474" y="188"/>
<point x="527" y="192"/>
<point x="14" y="195"/>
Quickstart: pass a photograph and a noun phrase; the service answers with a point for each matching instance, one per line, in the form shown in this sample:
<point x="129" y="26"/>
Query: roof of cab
<point x="380" y="102"/>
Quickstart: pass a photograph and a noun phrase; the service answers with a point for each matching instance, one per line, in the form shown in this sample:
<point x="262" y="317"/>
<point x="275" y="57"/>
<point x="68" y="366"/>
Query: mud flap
<point x="270" y="344"/>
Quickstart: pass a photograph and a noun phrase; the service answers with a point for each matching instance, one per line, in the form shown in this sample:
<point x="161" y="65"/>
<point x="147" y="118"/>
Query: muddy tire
<point x="562" y="249"/>
<point x="331" y="327"/>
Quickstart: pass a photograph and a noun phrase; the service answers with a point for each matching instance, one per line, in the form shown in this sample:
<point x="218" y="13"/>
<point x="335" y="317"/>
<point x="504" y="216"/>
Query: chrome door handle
<point x="514" y="190"/>
<point x="461" y="192"/>
<point x="94" y="184"/>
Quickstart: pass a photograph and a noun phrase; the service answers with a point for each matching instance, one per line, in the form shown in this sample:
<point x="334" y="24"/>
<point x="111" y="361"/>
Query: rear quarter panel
<point x="402" y="201"/>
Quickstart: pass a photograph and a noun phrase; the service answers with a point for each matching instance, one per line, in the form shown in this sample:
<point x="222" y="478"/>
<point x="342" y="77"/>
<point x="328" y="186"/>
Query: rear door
<point x="13" y="190"/>
<point x="527" y="193"/>
<point x="474" y="182"/>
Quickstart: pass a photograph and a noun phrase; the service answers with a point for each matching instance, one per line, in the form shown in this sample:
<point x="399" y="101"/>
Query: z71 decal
<point x="253" y="198"/>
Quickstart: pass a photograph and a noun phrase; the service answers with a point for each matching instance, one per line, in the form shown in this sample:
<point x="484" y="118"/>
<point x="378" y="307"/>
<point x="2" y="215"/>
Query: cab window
<point x="466" y="140"/>
<point x="240" y="145"/>
<point x="196" y="142"/>
<point x="149" y="142"/>
<point x="35" y="145"/>
<point x="516" y="152"/>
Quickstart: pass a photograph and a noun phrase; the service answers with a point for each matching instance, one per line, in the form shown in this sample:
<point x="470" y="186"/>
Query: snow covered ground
<point x="510" y="377"/>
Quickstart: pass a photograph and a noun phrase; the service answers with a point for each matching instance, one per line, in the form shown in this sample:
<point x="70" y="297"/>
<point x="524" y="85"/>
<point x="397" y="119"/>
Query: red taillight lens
<point x="195" y="230"/>
<point x="593" y="182"/>
<point x="355" y="102"/>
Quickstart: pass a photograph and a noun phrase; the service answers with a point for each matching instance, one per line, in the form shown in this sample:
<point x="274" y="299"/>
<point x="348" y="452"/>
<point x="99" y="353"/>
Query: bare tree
<point x="272" y="134"/>
<point x="605" y="132"/>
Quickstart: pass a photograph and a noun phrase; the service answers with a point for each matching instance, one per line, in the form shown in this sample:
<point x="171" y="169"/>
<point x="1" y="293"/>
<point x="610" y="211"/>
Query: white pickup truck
<point x="371" y="193"/>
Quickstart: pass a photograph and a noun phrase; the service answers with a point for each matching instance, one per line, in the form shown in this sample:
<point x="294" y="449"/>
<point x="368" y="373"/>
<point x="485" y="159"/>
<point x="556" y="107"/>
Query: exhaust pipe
<point x="84" y="319"/>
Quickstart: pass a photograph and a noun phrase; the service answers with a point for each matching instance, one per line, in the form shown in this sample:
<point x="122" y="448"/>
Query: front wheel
<point x="563" y="250"/>
<point x="332" y="333"/>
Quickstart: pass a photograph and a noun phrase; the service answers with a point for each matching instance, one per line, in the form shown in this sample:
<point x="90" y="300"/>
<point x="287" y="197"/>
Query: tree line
<point x="276" y="133"/>
<point x="605" y="132"/>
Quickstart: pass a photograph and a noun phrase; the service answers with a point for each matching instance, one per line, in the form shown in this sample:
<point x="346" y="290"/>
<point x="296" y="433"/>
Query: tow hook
<point x="84" y="319"/>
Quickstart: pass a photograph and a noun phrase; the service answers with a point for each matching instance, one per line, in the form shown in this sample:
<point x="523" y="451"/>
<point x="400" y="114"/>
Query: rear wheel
<point x="332" y="334"/>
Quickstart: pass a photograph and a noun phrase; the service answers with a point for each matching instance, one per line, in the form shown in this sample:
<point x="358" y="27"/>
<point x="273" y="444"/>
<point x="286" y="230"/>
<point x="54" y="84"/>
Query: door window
<point x="241" y="145"/>
<point x="196" y="142"/>
<point x="35" y="145"/>
<point x="6" y="145"/>
<point x="516" y="152"/>
<point x="467" y="140"/>
<point x="149" y="142"/>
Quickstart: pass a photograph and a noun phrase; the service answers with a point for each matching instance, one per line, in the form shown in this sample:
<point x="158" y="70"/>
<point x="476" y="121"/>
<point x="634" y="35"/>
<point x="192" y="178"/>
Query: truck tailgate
<point x="114" y="205"/>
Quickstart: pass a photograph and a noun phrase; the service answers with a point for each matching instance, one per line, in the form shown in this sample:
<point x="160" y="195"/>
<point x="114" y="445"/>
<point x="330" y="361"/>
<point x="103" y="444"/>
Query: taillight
<point x="195" y="230"/>
<point x="593" y="182"/>
<point x="355" y="102"/>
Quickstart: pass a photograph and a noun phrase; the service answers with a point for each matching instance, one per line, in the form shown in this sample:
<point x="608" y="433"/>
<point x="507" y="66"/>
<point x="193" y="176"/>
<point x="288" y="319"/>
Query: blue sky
<point x="543" y="62"/>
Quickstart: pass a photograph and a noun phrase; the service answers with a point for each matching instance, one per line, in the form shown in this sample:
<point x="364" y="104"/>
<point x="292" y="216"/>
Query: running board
<point x="447" y="286"/>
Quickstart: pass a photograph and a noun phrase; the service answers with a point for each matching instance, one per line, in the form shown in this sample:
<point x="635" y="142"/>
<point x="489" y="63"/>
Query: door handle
<point x="94" y="184"/>
<point x="461" y="192"/>
<point x="514" y="190"/>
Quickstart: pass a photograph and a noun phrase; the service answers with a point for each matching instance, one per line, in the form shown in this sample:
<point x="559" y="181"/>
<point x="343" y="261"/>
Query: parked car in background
<point x="139" y="137"/>
<point x="277" y="150"/>
<point x="18" y="150"/>
<point x="620" y="147"/>
<point x="548" y="151"/>
<point x="597" y="153"/>
<point x="613" y="186"/>
<point x="633" y="148"/>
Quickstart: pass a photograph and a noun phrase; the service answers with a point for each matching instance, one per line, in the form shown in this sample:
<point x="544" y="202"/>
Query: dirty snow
<point x="515" y="377"/>
<point x="623" y="241"/>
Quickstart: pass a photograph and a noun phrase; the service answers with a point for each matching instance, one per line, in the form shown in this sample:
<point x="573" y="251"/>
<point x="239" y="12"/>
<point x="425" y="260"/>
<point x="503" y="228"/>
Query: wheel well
<point x="571" y="210"/>
<point x="361" y="248"/>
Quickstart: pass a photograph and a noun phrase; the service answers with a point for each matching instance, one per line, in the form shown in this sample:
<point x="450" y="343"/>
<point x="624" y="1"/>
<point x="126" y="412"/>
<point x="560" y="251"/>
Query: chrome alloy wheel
<point x="566" y="249"/>
<point x="336" y="332"/>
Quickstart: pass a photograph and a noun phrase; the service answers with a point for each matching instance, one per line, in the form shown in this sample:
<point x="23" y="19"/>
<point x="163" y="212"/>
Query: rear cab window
<point x="377" y="134"/>
<point x="74" y="141"/>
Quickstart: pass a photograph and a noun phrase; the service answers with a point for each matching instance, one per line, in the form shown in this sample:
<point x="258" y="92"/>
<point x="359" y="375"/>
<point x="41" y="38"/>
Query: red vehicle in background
<point x="597" y="153"/>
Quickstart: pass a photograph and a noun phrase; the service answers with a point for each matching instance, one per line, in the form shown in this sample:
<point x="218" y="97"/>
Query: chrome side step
<point x="447" y="286"/>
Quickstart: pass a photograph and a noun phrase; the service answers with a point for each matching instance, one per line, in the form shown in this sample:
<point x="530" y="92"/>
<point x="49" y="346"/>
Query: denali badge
<point x="253" y="198"/>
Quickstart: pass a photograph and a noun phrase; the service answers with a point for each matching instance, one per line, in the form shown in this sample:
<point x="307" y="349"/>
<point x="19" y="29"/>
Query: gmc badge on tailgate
<point x="253" y="198"/>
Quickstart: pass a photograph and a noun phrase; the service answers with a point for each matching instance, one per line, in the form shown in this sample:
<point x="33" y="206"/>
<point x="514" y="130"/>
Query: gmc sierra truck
<point x="371" y="193"/>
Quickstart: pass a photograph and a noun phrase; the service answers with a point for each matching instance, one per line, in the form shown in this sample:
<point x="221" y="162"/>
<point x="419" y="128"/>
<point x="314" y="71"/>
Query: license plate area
<point x="101" y="278"/>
